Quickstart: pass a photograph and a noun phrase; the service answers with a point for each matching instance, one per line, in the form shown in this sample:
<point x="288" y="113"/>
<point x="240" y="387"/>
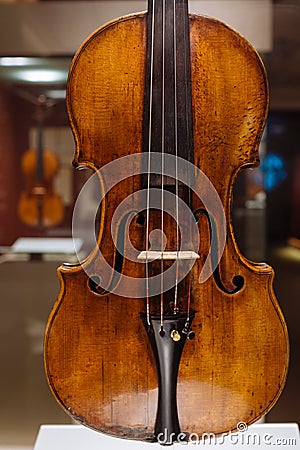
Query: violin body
<point x="99" y="360"/>
<point x="39" y="205"/>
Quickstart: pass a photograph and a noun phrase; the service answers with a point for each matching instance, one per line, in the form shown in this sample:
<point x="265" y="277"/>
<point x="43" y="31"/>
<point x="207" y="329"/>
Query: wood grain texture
<point x="97" y="357"/>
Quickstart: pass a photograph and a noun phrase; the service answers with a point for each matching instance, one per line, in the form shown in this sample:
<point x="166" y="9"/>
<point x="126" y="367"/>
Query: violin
<point x="165" y="329"/>
<point x="39" y="206"/>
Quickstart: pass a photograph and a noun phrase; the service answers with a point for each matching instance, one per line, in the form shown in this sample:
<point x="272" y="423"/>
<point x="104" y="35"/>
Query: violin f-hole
<point x="237" y="280"/>
<point x="94" y="282"/>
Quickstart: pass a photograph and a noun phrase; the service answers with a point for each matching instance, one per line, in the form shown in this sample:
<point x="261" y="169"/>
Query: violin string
<point x="176" y="155"/>
<point x="162" y="170"/>
<point x="149" y="165"/>
<point x="187" y="61"/>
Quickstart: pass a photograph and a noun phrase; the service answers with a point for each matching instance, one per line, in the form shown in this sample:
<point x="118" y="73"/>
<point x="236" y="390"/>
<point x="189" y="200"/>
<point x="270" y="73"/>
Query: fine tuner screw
<point x="175" y="335"/>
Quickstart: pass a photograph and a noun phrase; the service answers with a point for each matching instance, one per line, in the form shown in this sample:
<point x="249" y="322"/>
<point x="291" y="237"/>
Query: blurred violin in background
<point x="39" y="205"/>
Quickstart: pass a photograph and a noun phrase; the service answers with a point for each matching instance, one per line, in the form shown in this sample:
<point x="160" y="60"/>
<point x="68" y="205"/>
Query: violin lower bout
<point x="101" y="369"/>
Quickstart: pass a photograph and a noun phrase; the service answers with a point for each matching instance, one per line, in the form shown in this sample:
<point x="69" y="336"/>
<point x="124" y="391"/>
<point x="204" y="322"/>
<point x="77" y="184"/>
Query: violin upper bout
<point x="105" y="92"/>
<point x="230" y="97"/>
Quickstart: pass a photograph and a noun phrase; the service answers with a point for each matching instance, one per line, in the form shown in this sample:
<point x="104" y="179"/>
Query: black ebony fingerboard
<point x="167" y="126"/>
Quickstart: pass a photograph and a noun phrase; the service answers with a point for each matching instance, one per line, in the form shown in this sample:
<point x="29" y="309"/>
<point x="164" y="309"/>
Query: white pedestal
<point x="257" y="437"/>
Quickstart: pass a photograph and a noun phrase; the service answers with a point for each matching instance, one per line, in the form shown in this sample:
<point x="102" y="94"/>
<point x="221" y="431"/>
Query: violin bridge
<point x="151" y="255"/>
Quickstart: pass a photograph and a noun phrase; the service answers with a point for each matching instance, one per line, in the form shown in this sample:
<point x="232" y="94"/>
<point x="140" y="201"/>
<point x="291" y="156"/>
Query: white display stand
<point x="257" y="437"/>
<point x="46" y="245"/>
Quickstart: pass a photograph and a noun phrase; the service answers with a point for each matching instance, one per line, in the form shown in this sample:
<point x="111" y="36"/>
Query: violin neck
<point x="40" y="162"/>
<point x="168" y="105"/>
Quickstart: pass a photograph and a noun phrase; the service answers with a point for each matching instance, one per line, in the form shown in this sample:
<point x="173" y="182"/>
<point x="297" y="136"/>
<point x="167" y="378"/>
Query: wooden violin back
<point x="100" y="359"/>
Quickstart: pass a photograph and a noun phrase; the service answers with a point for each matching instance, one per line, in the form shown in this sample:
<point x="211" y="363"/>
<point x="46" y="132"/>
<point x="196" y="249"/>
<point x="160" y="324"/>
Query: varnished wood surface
<point x="98" y="361"/>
